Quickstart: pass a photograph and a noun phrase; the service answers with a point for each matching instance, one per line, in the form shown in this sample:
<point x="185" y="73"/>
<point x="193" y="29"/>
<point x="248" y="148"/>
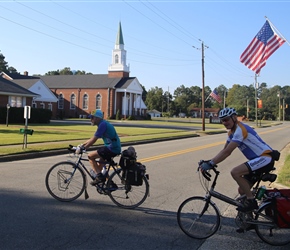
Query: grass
<point x="49" y="137"/>
<point x="284" y="173"/>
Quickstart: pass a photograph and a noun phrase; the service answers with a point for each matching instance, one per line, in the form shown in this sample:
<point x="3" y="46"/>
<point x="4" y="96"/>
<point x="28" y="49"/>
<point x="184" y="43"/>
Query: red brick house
<point x="14" y="95"/>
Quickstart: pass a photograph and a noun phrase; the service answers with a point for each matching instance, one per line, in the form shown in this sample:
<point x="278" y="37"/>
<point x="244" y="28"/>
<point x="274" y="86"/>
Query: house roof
<point x="86" y="81"/>
<point x="26" y="83"/>
<point x="11" y="88"/>
<point x="15" y="76"/>
<point x="154" y="111"/>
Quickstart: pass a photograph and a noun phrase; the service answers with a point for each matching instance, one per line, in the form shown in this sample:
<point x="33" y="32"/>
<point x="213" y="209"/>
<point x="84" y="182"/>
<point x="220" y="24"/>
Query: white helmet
<point x="227" y="112"/>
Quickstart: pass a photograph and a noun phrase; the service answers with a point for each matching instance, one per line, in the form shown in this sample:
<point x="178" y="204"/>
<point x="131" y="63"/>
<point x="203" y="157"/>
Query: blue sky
<point x="162" y="39"/>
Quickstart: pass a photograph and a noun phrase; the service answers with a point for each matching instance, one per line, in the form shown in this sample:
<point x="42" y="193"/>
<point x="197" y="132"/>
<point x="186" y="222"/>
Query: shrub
<point x="16" y="115"/>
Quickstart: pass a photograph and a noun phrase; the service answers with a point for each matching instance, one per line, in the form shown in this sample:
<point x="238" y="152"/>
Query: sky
<point x="163" y="39"/>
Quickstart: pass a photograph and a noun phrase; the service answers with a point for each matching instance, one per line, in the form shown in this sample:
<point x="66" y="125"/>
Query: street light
<point x="7" y="114"/>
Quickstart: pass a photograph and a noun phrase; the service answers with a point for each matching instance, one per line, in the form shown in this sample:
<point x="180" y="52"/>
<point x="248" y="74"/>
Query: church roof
<point x="86" y="81"/>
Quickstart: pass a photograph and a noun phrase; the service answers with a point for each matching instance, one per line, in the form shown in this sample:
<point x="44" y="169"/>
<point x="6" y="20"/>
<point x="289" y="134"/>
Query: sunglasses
<point x="225" y="119"/>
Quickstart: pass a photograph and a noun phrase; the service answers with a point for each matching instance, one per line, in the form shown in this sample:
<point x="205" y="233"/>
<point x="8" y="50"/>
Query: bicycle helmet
<point x="227" y="112"/>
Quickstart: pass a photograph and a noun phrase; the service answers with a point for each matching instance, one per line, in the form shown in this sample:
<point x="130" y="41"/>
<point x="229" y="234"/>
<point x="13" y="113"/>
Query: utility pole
<point x="168" y="102"/>
<point x="202" y="95"/>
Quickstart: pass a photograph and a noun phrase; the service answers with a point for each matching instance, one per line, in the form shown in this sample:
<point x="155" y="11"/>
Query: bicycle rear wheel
<point x="124" y="195"/>
<point x="198" y="218"/>
<point x="65" y="181"/>
<point x="268" y="230"/>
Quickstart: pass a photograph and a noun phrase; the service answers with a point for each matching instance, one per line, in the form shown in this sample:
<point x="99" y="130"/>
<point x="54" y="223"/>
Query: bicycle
<point x="199" y="217"/>
<point x="67" y="180"/>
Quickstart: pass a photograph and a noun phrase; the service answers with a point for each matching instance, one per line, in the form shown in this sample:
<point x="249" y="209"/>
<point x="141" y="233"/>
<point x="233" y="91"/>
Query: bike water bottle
<point x="93" y="173"/>
<point x="104" y="171"/>
<point x="261" y="192"/>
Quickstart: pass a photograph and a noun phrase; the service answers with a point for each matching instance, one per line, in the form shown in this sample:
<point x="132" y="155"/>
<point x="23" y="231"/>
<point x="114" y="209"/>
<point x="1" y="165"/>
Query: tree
<point x="67" y="71"/>
<point x="4" y="66"/>
<point x="12" y="70"/>
<point x="144" y="93"/>
<point x="185" y="98"/>
<point x="154" y="99"/>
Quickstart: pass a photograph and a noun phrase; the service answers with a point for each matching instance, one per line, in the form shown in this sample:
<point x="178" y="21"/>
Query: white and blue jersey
<point x="249" y="142"/>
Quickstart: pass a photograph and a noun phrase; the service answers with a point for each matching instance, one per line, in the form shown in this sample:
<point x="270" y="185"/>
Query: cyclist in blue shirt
<point x="258" y="153"/>
<point x="111" y="148"/>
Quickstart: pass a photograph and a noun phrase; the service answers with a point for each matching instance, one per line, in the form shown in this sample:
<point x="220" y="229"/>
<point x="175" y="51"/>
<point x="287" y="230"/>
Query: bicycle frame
<point x="111" y="164"/>
<point x="218" y="195"/>
<point x="225" y="198"/>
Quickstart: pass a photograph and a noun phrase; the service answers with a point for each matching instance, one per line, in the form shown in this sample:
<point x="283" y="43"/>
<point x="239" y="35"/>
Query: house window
<point x="16" y="101"/>
<point x="73" y="101"/>
<point x="116" y="59"/>
<point x="49" y="106"/>
<point x="34" y="104"/>
<point x="42" y="105"/>
<point x="85" y="101"/>
<point x="60" y="101"/>
<point x="98" y="101"/>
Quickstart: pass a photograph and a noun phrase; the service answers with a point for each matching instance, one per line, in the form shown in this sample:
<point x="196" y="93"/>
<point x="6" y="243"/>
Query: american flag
<point x="214" y="94"/>
<point x="264" y="44"/>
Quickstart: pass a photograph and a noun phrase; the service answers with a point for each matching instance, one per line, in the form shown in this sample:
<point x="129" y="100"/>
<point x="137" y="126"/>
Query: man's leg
<point x="238" y="173"/>
<point x="97" y="167"/>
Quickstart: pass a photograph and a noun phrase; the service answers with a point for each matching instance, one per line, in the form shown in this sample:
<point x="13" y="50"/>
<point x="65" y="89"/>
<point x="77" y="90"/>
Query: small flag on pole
<point x="264" y="44"/>
<point x="214" y="94"/>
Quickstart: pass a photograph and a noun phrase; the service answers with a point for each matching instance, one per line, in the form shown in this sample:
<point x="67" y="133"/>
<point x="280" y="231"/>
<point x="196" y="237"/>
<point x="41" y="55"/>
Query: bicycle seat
<point x="269" y="177"/>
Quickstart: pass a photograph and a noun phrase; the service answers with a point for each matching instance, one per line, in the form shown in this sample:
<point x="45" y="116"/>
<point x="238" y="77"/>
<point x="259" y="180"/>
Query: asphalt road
<point x="32" y="219"/>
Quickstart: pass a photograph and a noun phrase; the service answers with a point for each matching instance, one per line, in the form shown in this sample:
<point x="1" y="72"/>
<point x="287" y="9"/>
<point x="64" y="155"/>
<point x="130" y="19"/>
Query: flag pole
<point x="207" y="98"/>
<point x="256" y="105"/>
<point x="279" y="33"/>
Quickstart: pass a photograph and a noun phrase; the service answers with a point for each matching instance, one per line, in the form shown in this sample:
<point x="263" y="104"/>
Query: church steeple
<point x="120" y="40"/>
<point x="118" y="68"/>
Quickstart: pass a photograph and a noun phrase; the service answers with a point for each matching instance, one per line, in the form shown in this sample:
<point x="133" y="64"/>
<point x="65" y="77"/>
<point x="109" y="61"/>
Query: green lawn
<point x="48" y="137"/>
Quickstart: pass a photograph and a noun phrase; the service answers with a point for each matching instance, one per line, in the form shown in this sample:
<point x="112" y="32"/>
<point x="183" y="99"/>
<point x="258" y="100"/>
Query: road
<point x="32" y="219"/>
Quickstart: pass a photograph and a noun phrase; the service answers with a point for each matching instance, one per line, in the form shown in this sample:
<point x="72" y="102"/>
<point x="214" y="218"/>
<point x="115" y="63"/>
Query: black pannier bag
<point x="134" y="175"/>
<point x="127" y="160"/>
<point x="276" y="155"/>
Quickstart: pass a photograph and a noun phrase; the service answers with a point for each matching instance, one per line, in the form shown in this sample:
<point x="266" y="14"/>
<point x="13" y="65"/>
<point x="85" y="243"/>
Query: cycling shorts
<point x="258" y="166"/>
<point x="106" y="153"/>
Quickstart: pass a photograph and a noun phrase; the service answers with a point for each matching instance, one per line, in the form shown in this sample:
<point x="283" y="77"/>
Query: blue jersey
<point x="249" y="142"/>
<point x="107" y="132"/>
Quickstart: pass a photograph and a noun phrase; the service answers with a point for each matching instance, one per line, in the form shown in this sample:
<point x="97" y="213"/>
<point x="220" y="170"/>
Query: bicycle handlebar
<point x="206" y="173"/>
<point x="73" y="149"/>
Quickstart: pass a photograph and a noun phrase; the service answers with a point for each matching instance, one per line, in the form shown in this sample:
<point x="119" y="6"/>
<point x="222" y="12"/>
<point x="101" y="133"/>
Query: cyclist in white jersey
<point x="257" y="152"/>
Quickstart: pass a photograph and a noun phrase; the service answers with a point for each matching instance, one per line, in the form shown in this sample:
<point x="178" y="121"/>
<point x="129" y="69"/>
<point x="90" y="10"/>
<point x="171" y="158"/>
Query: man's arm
<point x="90" y="142"/>
<point x="227" y="151"/>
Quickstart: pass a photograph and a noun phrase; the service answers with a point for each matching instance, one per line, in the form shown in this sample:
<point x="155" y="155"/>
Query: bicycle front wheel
<point x="198" y="217"/>
<point x="268" y="230"/>
<point x="124" y="195"/>
<point x="65" y="181"/>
